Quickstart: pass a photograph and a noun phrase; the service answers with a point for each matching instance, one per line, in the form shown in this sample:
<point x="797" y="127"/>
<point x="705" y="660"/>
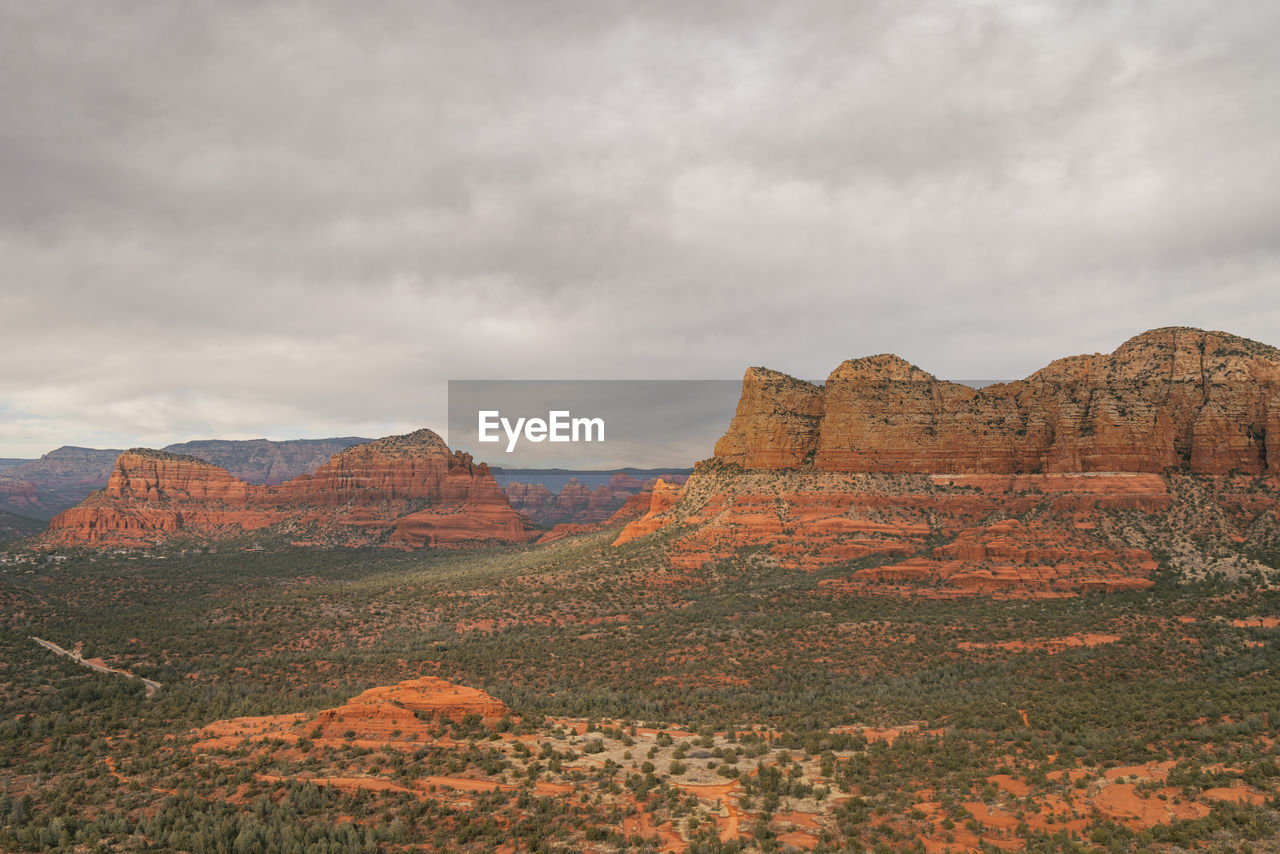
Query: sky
<point x="287" y="220"/>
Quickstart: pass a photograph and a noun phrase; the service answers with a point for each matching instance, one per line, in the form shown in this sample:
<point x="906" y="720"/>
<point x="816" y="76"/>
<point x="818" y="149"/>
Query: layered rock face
<point x="19" y="496"/>
<point x="1205" y="401"/>
<point x="1060" y="483"/>
<point x="1023" y="536"/>
<point x="406" y="491"/>
<point x="778" y="422"/>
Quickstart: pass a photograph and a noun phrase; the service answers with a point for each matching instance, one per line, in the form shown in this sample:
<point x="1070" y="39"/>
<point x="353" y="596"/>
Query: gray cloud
<point x="244" y="219"/>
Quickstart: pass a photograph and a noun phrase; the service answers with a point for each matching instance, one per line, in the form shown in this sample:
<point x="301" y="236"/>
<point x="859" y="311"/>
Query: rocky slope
<point x="404" y="491"/>
<point x="1070" y="480"/>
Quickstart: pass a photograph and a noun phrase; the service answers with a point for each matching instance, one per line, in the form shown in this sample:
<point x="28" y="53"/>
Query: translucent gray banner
<point x="590" y="424"/>
<point x="593" y="424"/>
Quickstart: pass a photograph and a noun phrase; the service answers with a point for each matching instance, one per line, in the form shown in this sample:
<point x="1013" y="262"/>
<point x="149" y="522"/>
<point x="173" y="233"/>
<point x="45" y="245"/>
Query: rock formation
<point x="379" y="712"/>
<point x="405" y="491"/>
<point x="19" y="496"/>
<point x="576" y="503"/>
<point x="1023" y="483"/>
<point x="404" y="713"/>
<point x="64" y="477"/>
<point x="1208" y="402"/>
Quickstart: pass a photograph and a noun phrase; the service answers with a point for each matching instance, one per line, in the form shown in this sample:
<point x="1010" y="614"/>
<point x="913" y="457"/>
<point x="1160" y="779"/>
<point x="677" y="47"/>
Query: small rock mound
<point x="379" y="712"/>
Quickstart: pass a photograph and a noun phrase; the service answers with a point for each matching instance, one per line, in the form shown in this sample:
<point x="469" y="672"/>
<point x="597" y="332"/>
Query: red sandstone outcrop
<point x="1010" y="556"/>
<point x="58" y="480"/>
<point x="1205" y="401"/>
<point x="625" y="483"/>
<point x="531" y="499"/>
<point x="777" y="424"/>
<point x="379" y="712"/>
<point x="808" y="520"/>
<point x="1025" y="483"/>
<point x="405" y="491"/>
<point x="661" y="500"/>
<point x="404" y="712"/>
<point x="64" y="477"/>
<point x="585" y="504"/>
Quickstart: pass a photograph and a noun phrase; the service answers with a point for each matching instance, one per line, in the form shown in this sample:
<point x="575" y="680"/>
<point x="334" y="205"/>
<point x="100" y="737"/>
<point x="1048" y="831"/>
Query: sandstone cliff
<point x="1063" y="482"/>
<point x="405" y="491"/>
<point x="1206" y="402"/>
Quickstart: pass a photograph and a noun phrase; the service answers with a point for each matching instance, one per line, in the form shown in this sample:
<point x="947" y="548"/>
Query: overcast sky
<point x="300" y="219"/>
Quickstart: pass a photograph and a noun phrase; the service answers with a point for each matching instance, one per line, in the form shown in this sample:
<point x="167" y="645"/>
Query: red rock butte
<point x="1021" y="482"/>
<point x="402" y="491"/>
<point x="1208" y="402"/>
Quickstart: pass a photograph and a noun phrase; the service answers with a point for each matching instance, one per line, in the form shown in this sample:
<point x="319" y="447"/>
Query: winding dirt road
<point x="96" y="664"/>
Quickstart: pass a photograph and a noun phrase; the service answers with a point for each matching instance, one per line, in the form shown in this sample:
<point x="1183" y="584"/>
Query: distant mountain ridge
<point x="568" y="500"/>
<point x="262" y="461"/>
<point x="402" y="491"/>
<point x="65" y="476"/>
<point x="60" y="479"/>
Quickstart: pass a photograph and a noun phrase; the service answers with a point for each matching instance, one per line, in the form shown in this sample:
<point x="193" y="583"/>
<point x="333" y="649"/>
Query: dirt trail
<point x="151" y="686"/>
<point x="110" y="762"/>
<point x="732" y="826"/>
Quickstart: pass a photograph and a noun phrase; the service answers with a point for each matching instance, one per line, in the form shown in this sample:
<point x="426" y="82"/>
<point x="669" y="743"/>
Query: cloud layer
<point x="247" y="219"/>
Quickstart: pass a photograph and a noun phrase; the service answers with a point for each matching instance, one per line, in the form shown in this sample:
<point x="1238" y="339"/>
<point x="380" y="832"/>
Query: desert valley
<point x="886" y="613"/>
